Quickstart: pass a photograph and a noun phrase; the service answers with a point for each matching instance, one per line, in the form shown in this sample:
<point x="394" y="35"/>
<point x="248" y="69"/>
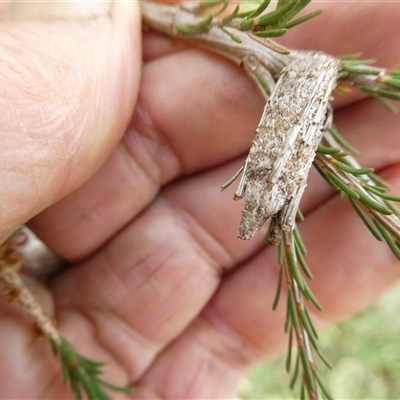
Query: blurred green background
<point x="364" y="353"/>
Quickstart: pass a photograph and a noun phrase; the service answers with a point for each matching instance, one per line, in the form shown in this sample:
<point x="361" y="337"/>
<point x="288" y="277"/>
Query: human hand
<point x="160" y="287"/>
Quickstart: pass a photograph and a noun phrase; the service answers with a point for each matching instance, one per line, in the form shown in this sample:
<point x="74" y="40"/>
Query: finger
<point x="166" y="295"/>
<point x="156" y="45"/>
<point x="67" y="96"/>
<point x="238" y="328"/>
<point x="151" y="295"/>
<point x="23" y="349"/>
<point x="183" y="123"/>
<point x="4" y="6"/>
<point x="207" y="115"/>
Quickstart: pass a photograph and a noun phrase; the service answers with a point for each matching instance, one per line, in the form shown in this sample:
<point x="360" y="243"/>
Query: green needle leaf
<point x="379" y="181"/>
<point x="307" y="315"/>
<point x="324" y="359"/>
<point x="323" y="386"/>
<point x="223" y="8"/>
<point x="356" y="68"/>
<point x="328" y="150"/>
<point x="368" y="201"/>
<point x="299" y="5"/>
<point x="303" y="263"/>
<point x="278" y="289"/>
<point x="394" y="72"/>
<point x="381" y="194"/>
<point x="352" y="170"/>
<point x="288" y="361"/>
<point x="379" y="189"/>
<point x="295" y="373"/>
<point x="309" y="328"/>
<point x="122" y="389"/>
<point x="388" y="104"/>
<point x="271" y="33"/>
<point x="300" y="20"/>
<point x="339" y="183"/>
<point x="294" y="269"/>
<point x="306" y="367"/>
<point x="232" y="36"/>
<point x="368" y="223"/>
<point x="394" y="82"/>
<point x="353" y="59"/>
<point x="303" y="392"/>
<point x="230" y="17"/>
<point x="342" y="141"/>
<point x="310" y="296"/>
<point x="325" y="176"/>
<point x="190" y="30"/>
<point x="76" y="389"/>
<point x="394" y="208"/>
<point x="349" y="57"/>
<point x="281" y="252"/>
<point x="299" y="241"/>
<point x="89" y="389"/>
<point x="206" y="21"/>
<point x="83" y="373"/>
<point x="264" y="83"/>
<point x="212" y="3"/>
<point x="300" y="216"/>
<point x="274" y="16"/>
<point x="260" y="9"/>
<point x="292" y="311"/>
<point x="389" y="94"/>
<point x="393" y="244"/>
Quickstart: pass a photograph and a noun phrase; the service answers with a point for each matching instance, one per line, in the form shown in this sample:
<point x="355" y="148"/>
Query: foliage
<point x="261" y="23"/>
<point x="83" y="374"/>
<point x="364" y="369"/>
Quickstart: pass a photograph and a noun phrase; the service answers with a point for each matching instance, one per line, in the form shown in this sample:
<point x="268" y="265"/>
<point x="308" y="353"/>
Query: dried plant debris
<point x="81" y="373"/>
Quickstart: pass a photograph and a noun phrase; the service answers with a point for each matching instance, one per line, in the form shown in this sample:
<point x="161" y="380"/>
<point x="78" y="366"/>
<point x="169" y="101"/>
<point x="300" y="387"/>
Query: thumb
<point x="70" y="77"/>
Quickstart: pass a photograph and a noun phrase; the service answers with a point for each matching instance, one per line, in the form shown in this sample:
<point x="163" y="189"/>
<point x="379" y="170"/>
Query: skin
<point x="117" y="165"/>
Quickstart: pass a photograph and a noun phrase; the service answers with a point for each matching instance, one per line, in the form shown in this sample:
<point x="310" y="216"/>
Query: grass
<point x="364" y="352"/>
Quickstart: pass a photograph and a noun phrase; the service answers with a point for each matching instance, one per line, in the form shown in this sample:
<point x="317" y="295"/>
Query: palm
<point x="160" y="286"/>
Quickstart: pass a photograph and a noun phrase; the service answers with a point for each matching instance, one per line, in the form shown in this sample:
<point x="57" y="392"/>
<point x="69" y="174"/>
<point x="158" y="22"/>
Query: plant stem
<point x="15" y="290"/>
<point x="251" y="53"/>
<point x="302" y="338"/>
